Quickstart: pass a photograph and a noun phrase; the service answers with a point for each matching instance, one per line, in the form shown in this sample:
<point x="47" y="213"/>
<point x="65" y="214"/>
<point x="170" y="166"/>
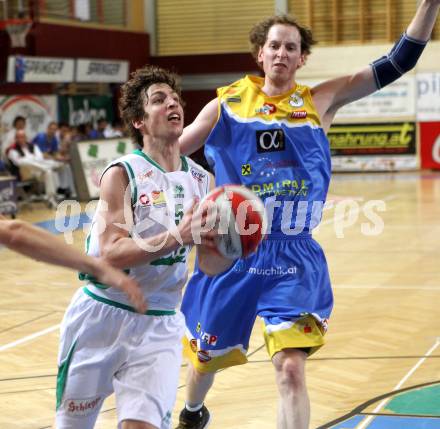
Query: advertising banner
<point x="89" y="160"/>
<point x="40" y="69"/>
<point x="391" y="138"/>
<point x="428" y="96"/>
<point x="38" y="110"/>
<point x="101" y="71"/>
<point x="373" y="147"/>
<point x="430" y="145"/>
<point x="80" y="109"/>
<point x="393" y="101"/>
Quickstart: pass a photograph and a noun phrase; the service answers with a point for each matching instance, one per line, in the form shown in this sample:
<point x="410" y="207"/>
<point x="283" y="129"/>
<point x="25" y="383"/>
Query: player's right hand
<point x="116" y="278"/>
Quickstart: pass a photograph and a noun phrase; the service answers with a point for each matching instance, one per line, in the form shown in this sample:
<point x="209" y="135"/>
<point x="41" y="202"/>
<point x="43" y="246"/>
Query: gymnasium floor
<point x="380" y="368"/>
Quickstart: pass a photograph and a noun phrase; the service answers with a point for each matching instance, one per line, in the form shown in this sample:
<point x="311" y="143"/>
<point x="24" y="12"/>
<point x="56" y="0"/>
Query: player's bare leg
<point x="198" y="385"/>
<point x="294" y="405"/>
<point x="195" y="415"/>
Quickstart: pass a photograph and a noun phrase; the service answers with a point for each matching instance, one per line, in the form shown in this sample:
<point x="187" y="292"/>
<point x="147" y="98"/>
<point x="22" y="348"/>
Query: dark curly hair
<point x="258" y="34"/>
<point x="134" y="92"/>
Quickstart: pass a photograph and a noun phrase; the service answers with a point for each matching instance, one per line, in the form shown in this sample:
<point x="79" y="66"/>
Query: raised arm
<point x="39" y="244"/>
<point x="115" y="212"/>
<point x="333" y="94"/>
<point x="195" y="134"/>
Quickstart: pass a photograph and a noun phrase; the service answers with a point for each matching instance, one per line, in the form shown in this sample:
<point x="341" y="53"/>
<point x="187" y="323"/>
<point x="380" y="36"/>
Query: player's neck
<point x="273" y="87"/>
<point x="166" y="154"/>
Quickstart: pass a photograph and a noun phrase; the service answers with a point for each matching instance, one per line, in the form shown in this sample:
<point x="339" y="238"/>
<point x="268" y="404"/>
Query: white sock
<point x="196" y="407"/>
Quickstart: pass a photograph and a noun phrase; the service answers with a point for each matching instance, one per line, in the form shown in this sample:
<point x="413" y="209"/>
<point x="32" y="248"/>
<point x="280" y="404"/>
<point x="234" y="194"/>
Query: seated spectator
<point x="19" y="123"/>
<point x="57" y="176"/>
<point x="48" y="142"/>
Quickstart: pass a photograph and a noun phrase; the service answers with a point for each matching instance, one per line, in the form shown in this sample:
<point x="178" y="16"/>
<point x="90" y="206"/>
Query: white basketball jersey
<point x="159" y="200"/>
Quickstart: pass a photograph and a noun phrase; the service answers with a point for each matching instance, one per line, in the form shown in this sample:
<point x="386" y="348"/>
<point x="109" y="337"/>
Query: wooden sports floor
<point x="383" y="343"/>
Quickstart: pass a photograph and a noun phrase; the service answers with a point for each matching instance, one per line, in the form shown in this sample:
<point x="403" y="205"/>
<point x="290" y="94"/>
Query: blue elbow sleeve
<point x="402" y="58"/>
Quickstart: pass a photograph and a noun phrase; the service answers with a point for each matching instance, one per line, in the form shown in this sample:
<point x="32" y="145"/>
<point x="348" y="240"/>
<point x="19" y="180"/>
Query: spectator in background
<point x="78" y="133"/>
<point x="48" y="142"/>
<point x="63" y="129"/>
<point x="19" y="123"/>
<point x="57" y="177"/>
<point x="99" y="132"/>
<point x="114" y="131"/>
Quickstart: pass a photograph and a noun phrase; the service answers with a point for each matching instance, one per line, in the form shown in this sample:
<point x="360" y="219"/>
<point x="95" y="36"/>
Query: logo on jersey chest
<point x="266" y="109"/>
<point x="298" y="114"/>
<point x="270" y="140"/>
<point x="296" y="100"/>
<point x="197" y="175"/>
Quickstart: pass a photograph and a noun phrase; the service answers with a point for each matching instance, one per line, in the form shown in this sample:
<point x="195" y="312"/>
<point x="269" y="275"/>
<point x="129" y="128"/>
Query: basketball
<point x="243" y="220"/>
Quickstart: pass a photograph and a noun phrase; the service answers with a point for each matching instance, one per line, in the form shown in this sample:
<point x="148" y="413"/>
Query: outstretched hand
<point x="116" y="278"/>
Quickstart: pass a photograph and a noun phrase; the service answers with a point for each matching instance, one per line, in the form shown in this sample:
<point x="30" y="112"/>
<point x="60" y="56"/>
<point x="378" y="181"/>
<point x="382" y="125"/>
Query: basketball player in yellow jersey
<point x="43" y="246"/>
<point x="269" y="134"/>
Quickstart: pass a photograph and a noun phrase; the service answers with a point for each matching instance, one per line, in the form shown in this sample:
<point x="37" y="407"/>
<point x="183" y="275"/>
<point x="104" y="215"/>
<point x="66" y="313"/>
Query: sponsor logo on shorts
<point x="199" y="327"/>
<point x="298" y="114"/>
<point x="208" y="338"/>
<point x="167" y="418"/>
<point x="198" y="175"/>
<point x="307" y="329"/>
<point x="193" y="345"/>
<point x="203" y="356"/>
<point x="82" y="407"/>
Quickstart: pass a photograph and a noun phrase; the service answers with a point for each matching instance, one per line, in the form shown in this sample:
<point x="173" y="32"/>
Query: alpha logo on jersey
<point x="198" y="175"/>
<point x="296" y="100"/>
<point x="266" y="109"/>
<point x="270" y="140"/>
<point x="298" y="114"/>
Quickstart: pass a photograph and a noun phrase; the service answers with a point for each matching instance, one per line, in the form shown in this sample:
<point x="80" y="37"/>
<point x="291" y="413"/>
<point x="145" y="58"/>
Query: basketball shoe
<point x="194" y="419"/>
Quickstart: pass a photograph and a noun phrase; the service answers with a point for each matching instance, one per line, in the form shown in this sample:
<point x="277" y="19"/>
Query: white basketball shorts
<point x="105" y="349"/>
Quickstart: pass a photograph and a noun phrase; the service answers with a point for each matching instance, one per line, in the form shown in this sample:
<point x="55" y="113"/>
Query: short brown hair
<point x="133" y="93"/>
<point x="258" y="34"/>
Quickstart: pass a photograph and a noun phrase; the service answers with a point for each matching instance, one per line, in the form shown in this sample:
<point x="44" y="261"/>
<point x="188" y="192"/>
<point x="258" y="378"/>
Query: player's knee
<point x="291" y="369"/>
<point x="201" y="377"/>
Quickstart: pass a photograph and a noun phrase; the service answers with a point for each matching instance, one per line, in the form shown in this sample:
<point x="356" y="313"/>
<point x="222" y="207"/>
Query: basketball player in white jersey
<point x="145" y="223"/>
<point x="42" y="246"/>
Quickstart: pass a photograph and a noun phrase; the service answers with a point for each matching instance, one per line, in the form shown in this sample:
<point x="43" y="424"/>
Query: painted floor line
<point x="29" y="338"/>
<point x="367" y="421"/>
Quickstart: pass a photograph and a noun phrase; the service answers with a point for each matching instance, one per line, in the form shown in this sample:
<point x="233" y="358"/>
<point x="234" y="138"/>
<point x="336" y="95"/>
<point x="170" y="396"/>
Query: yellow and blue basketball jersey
<point x="277" y="148"/>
